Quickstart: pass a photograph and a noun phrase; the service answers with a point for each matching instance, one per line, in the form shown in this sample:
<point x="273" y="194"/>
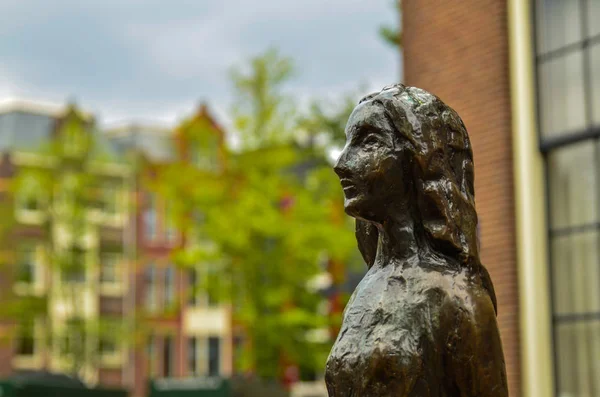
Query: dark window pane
<point x="26" y="266"/>
<point x="576" y="273"/>
<point x="561" y="99"/>
<point x="167" y="360"/>
<point x="578" y="358"/>
<point x="595" y="77"/>
<point x="573" y="186"/>
<point x="150" y="288"/>
<point x="151" y="355"/>
<point x="75" y="266"/>
<point x="25" y="341"/>
<point x="214" y="356"/>
<point x="558" y="23"/>
<point x="169" y="291"/>
<point x="193" y="287"/>
<point x="107" y="346"/>
<point x="192" y="356"/>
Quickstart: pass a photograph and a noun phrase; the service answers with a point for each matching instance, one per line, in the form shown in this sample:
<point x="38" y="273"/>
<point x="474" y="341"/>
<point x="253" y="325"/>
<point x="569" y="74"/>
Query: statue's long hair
<point x="441" y="169"/>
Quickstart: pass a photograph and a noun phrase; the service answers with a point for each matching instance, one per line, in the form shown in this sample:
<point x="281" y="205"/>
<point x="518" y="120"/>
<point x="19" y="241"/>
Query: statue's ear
<point x="367" y="237"/>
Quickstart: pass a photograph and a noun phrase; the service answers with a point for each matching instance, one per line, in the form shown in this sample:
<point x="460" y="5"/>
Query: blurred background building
<point x="525" y="78"/>
<point x="124" y="245"/>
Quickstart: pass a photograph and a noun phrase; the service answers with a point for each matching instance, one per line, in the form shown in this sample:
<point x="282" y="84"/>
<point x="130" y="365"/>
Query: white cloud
<point x="161" y="58"/>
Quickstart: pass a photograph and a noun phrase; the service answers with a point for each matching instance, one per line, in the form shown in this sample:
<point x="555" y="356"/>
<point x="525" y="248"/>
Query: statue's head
<point x="407" y="151"/>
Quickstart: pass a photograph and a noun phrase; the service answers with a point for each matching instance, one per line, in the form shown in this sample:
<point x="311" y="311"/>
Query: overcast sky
<point x="154" y="60"/>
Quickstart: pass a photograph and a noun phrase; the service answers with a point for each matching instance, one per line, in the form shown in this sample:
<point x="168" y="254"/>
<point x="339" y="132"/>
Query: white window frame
<point x="36" y="360"/>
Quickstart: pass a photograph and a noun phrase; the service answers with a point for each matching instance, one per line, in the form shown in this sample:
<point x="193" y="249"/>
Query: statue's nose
<point x="341" y="166"/>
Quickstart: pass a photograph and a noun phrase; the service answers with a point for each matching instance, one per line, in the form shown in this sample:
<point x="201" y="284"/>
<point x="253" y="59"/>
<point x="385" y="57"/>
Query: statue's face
<point x="368" y="167"/>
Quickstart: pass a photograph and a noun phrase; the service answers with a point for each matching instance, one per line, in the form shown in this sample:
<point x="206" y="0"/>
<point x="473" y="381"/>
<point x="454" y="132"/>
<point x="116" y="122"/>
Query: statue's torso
<point x="400" y="326"/>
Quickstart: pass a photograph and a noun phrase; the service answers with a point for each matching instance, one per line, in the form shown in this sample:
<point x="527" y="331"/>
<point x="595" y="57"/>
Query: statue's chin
<point x="356" y="208"/>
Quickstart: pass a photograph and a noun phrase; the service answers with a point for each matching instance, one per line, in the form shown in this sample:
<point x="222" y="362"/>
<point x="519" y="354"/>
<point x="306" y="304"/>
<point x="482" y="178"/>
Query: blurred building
<point x="191" y="334"/>
<point x="125" y="244"/>
<point x="525" y="78"/>
<point x="43" y="160"/>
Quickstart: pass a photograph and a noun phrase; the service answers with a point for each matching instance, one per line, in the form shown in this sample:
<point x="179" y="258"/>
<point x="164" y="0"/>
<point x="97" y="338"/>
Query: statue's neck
<point x="397" y="239"/>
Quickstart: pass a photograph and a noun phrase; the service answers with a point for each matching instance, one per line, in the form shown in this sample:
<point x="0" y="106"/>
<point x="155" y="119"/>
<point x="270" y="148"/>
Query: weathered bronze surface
<point x="422" y="322"/>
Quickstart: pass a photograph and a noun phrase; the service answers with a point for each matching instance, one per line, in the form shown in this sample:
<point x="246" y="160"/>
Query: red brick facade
<point x="459" y="51"/>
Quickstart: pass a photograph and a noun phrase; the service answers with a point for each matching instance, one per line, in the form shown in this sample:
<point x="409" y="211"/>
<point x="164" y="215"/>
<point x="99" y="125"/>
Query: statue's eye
<point x="371" y="139"/>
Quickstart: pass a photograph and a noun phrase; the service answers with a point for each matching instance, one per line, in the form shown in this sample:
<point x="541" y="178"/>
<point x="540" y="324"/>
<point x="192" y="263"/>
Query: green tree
<point x="267" y="213"/>
<point x="390" y="34"/>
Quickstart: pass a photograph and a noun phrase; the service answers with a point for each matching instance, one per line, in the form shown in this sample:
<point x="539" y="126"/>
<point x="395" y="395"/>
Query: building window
<point x="568" y="74"/>
<point x="110" y="268"/>
<point x="204" y="356"/>
<point x="199" y="294"/>
<point x="214" y="356"/>
<point x="26" y="266"/>
<point x="151" y="216"/>
<point x="204" y="153"/>
<point x="151" y="356"/>
<point x="105" y="198"/>
<point x="192" y="354"/>
<point x="110" y="195"/>
<point x="167" y="358"/>
<point x="169" y="290"/>
<point x="171" y="223"/>
<point x="74" y="338"/>
<point x="150" y="288"/>
<point x="31" y="200"/>
<point x="193" y="298"/>
<point x="25" y="344"/>
<point x="107" y="346"/>
<point x="74" y="268"/>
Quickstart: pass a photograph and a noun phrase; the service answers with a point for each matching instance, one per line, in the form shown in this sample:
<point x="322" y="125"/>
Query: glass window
<point x="192" y="356"/>
<point x="214" y="356"/>
<point x="171" y="222"/>
<point x="595" y="83"/>
<point x="167" y="359"/>
<point x="558" y="23"/>
<point x="151" y="217"/>
<point x="573" y="193"/>
<point x="151" y="355"/>
<point x="26" y="267"/>
<point x="575" y="273"/>
<point x="169" y="291"/>
<point x="25" y="345"/>
<point x="75" y="266"/>
<point x="578" y="358"/>
<point x="193" y="298"/>
<point x="593" y="16"/>
<point x="150" y="288"/>
<point x="31" y="195"/>
<point x="107" y="346"/>
<point x="110" y="268"/>
<point x="561" y="98"/>
<point x="108" y="198"/>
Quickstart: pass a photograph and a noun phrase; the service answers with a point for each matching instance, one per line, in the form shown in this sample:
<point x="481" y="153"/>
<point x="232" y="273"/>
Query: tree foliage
<point x="265" y="221"/>
<point x="390" y="34"/>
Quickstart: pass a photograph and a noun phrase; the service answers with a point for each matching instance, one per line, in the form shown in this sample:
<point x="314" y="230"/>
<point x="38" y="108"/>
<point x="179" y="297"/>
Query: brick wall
<point x="459" y="51"/>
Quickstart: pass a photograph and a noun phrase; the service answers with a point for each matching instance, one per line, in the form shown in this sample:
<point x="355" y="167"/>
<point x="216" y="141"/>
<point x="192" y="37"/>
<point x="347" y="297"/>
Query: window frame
<point x="561" y="140"/>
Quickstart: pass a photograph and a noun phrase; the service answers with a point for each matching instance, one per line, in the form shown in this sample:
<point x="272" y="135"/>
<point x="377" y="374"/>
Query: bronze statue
<point x="422" y="322"/>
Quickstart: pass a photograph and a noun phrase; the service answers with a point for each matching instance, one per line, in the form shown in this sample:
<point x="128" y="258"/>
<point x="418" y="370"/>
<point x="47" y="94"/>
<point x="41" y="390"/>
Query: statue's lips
<point x="347" y="185"/>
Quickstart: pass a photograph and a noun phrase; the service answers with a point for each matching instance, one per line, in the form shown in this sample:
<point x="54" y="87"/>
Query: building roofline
<point x="126" y="127"/>
<point x="37" y="107"/>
